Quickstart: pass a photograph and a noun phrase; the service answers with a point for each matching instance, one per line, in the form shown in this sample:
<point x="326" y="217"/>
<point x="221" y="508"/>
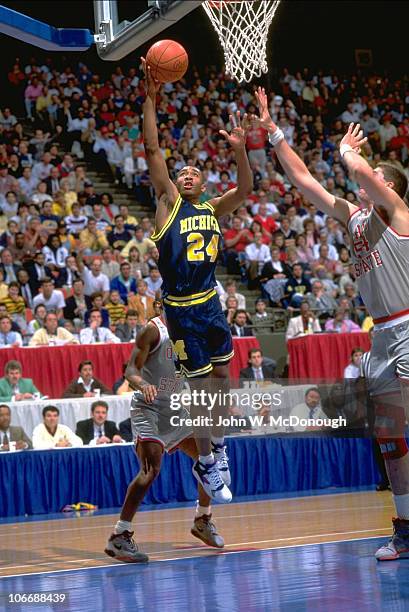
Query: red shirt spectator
<point x="237" y="238"/>
<point x="256" y="139"/>
<point x="266" y="221"/>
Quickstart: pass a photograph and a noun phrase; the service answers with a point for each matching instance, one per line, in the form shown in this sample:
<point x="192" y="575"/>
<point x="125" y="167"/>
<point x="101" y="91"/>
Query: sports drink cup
<point x="12" y="447"/>
<point x="97" y="392"/>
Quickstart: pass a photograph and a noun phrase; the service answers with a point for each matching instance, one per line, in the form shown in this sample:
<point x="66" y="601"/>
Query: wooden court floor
<point x="72" y="543"/>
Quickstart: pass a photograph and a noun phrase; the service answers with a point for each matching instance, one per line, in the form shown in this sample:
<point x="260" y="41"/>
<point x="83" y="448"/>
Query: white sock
<point x="402" y="506"/>
<point x="206" y="459"/>
<point x="201" y="510"/>
<point x="122" y="526"/>
<point x="218" y="441"/>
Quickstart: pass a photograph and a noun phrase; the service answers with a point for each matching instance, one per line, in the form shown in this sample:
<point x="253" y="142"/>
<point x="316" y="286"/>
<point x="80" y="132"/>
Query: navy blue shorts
<point x="200" y="336"/>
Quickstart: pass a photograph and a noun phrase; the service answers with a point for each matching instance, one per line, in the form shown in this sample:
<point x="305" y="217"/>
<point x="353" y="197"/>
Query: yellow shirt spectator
<point x="92" y="239"/>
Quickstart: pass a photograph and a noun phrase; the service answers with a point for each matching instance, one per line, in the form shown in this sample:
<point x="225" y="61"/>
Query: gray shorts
<point x="151" y="423"/>
<point x="388" y="359"/>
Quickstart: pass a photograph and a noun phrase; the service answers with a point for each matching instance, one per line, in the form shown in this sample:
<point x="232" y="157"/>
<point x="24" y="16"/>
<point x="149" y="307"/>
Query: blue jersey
<point x="188" y="247"/>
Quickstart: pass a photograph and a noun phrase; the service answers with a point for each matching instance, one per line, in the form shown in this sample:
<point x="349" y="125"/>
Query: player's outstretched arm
<point x="157" y="166"/>
<point x="297" y="171"/>
<point x="232" y="199"/>
<point x="381" y="193"/>
<point x="145" y="341"/>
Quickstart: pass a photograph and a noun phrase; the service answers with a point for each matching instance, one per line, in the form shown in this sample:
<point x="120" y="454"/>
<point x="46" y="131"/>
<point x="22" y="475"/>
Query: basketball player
<point x="151" y="371"/>
<point x="379" y="233"/>
<point x="187" y="234"/>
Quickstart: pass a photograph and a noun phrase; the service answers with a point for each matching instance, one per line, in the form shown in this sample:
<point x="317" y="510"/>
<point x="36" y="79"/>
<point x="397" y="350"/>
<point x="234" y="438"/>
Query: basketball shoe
<point x="222" y="460"/>
<point x="398" y="545"/>
<point x="204" y="529"/>
<point x="122" y="547"/>
<point x="210" y="479"/>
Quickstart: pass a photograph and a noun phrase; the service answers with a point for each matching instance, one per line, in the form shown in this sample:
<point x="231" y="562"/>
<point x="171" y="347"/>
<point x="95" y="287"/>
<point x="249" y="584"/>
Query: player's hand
<point x="149" y="393"/>
<point x="264" y="120"/>
<point x="237" y="136"/>
<point x="152" y="86"/>
<point x="354" y="137"/>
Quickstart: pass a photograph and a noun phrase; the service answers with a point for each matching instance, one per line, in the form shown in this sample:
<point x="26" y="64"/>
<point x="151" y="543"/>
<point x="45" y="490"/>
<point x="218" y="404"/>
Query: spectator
<point x="76" y="222"/>
<point x="262" y="320"/>
<point x="98" y="430"/>
<point x="119" y="236"/>
<point x="85" y="385"/>
<point x="231" y="290"/>
<point x="94" y="279"/>
<point x="10" y="433"/>
<point x="321" y="303"/>
<point x="15" y="305"/>
<point x="51" y="434"/>
<point x="353" y="369"/>
<point x="9" y="338"/>
<point x="142" y="302"/>
<point x="37" y="323"/>
<point x="128" y="331"/>
<point x="25" y="289"/>
<point x="153" y="282"/>
<point x="141" y="243"/>
<point x="51" y="334"/>
<point x="9" y="268"/>
<point x="139" y="269"/>
<point x="96" y="304"/>
<point x="78" y="303"/>
<point x="258" y="369"/>
<point x="305" y="323"/>
<point x="53" y="299"/>
<point x="95" y="333"/>
<point x="14" y="388"/>
<point x="125" y="430"/>
<point x="236" y="239"/>
<point x="37" y="271"/>
<point x="109" y="266"/>
<point x="92" y="239"/>
<point x="115" y="308"/>
<point x="240" y="326"/>
<point x="121" y="386"/>
<point x="341" y="323"/>
<point x="125" y="284"/>
<point x="309" y="409"/>
<point x="296" y="287"/>
<point x="257" y="255"/>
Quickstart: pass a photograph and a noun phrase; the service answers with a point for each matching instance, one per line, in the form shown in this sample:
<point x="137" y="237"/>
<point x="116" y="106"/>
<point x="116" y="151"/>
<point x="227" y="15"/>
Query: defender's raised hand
<point x="151" y="85"/>
<point x="354" y="138"/>
<point x="264" y="120"/>
<point x="239" y="128"/>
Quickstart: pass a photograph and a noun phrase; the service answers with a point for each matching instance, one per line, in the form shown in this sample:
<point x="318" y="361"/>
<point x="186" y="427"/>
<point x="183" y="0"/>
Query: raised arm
<point x="145" y="341"/>
<point x="232" y="199"/>
<point x="297" y="171"/>
<point x="374" y="182"/>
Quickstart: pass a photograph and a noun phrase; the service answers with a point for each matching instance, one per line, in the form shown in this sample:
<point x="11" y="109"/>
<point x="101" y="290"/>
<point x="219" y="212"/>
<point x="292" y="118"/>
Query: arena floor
<point x="304" y="552"/>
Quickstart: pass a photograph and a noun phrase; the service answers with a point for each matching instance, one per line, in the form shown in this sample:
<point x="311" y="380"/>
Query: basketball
<point x="168" y="61"/>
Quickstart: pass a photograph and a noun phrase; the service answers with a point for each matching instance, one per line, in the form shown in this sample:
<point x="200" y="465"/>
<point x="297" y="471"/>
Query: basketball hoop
<point x="242" y="27"/>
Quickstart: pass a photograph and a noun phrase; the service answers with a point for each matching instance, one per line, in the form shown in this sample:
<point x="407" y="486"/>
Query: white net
<point x="242" y="28"/>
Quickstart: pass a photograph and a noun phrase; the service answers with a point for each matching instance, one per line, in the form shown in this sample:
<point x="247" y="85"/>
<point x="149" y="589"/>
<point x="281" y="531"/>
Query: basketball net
<point x="242" y="28"/>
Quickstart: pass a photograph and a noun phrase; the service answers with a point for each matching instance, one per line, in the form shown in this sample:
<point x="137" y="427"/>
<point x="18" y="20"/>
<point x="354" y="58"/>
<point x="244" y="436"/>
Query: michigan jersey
<point x="188" y="247"/>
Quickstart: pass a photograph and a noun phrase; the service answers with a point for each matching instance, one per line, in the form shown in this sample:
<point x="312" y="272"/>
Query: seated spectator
<point x="236" y="239"/>
<point x="85" y="385"/>
<point x="51" y="334"/>
<point x="240" y="326"/>
<point x="124" y="283"/>
<point x="16" y="306"/>
<point x="95" y="333"/>
<point x="78" y="303"/>
<point x="321" y="303"/>
<point x="96" y="304"/>
<point x="76" y="222"/>
<point x="94" y="279"/>
<point x="9" y="338"/>
<point x="262" y="319"/>
<point x="9" y="267"/>
<point x="55" y="255"/>
<point x="14" y="388"/>
<point x="22" y="250"/>
<point x="92" y="239"/>
<point x="121" y="385"/>
<point x="4" y="288"/>
<point x="38" y="321"/>
<point x="231" y="307"/>
<point x="53" y="299"/>
<point x="153" y="282"/>
<point x="10" y="433"/>
<point x="341" y="323"/>
<point x="305" y="323"/>
<point x="119" y="237"/>
<point x="51" y="434"/>
<point x="128" y="331"/>
<point x="353" y="369"/>
<point x="257" y="369"/>
<point x="257" y="255"/>
<point x="139" y="268"/>
<point x="115" y="308"/>
<point x="125" y="430"/>
<point x="231" y="290"/>
<point x="275" y="268"/>
<point x="109" y="266"/>
<point x="296" y="287"/>
<point x="98" y="430"/>
<point x="309" y="409"/>
<point x="142" y="302"/>
<point x="25" y="289"/>
<point x="37" y="271"/>
<point x="140" y="242"/>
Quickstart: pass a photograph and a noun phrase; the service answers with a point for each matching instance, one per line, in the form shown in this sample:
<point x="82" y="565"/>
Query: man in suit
<point x="8" y="266"/>
<point x="125" y="430"/>
<point x="53" y="181"/>
<point x="78" y="303"/>
<point x="128" y="331"/>
<point x="305" y="323"/>
<point x="258" y="369"/>
<point x="9" y="433"/>
<point x="239" y="327"/>
<point x="85" y="385"/>
<point x="97" y="429"/>
<point x="14" y="388"/>
<point x="37" y="271"/>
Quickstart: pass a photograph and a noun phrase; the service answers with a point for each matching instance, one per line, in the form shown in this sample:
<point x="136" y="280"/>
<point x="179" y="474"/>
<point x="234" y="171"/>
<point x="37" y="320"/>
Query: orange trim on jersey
<point x="396" y="315"/>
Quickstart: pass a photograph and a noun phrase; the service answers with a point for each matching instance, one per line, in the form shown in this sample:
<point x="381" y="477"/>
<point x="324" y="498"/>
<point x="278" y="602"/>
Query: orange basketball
<point x="168" y="61"/>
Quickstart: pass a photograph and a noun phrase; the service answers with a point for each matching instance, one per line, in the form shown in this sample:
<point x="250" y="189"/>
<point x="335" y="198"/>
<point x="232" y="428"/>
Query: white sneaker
<point x="122" y="547"/>
<point x="222" y="460"/>
<point x="209" y="477"/>
<point x="398" y="545"/>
